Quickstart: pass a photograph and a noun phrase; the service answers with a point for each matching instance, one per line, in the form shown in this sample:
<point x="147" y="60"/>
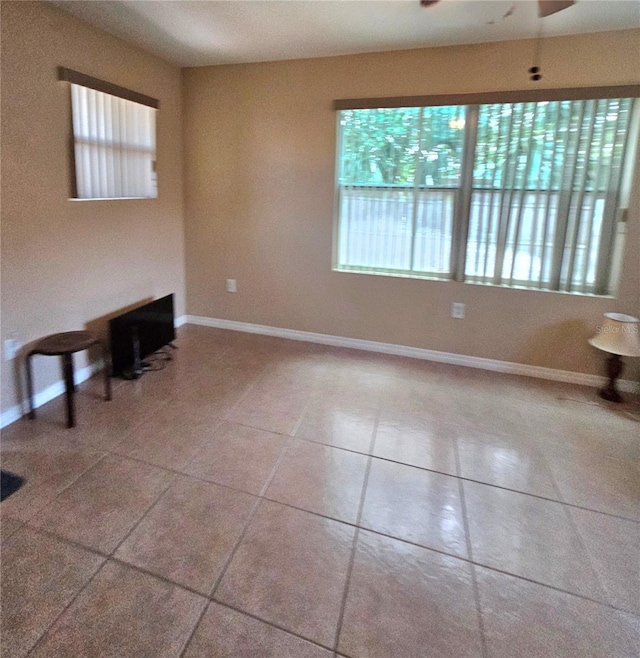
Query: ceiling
<point x="207" y="32"/>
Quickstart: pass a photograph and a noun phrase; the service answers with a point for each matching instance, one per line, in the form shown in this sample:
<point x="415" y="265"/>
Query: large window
<point x="114" y="140"/>
<point x="520" y="194"/>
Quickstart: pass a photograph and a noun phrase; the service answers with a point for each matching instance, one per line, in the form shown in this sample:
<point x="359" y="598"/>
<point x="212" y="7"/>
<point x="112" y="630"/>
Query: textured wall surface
<point x="68" y="263"/>
<point x="259" y="194"/>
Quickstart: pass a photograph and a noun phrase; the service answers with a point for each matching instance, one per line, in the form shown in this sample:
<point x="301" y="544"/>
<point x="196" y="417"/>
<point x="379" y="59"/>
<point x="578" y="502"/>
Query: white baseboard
<point x="539" y="372"/>
<point x="47" y="394"/>
<point x="54" y="390"/>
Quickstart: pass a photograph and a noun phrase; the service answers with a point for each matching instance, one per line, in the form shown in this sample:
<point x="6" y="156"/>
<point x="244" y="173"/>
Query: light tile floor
<point x="260" y="497"/>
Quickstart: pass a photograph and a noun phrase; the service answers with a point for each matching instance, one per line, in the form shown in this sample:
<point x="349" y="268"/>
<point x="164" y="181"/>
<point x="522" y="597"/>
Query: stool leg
<point x="67" y="364"/>
<point x="107" y="372"/>
<point x="32" y="411"/>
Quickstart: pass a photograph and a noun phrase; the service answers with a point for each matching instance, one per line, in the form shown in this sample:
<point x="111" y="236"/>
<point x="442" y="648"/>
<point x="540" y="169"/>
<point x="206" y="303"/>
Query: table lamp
<point x="619" y="335"/>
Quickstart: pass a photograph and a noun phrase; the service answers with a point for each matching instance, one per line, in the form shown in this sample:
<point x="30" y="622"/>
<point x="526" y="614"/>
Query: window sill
<point x="447" y="279"/>
<point x="396" y="275"/>
<point x="116" y="198"/>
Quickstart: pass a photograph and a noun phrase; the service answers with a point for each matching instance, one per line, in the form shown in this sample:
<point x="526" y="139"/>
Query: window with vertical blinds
<point x="113" y="139"/>
<point x="516" y="194"/>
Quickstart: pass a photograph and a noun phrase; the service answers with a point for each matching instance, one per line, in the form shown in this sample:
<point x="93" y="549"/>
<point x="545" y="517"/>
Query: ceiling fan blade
<point x="548" y="7"/>
<point x="428" y="3"/>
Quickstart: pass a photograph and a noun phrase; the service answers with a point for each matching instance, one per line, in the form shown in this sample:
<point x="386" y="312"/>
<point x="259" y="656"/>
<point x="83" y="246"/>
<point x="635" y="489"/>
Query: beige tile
<point x="239" y="457"/>
<point x="103" y="505"/>
<point x="290" y="569"/>
<point x="47" y="472"/>
<point x="8" y="527"/>
<point x="274" y="408"/>
<point x="225" y="633"/>
<point x="171" y="438"/>
<point x="320" y="479"/>
<point x="599" y="483"/>
<point x="99" y="425"/>
<point x="189" y="534"/>
<point x="338" y="424"/>
<point x="412" y="402"/>
<point x="614" y="547"/>
<point x="512" y="462"/>
<point x="110" y="428"/>
<point x="124" y="612"/>
<point x="528" y="537"/>
<point x="40" y="576"/>
<point x="215" y="392"/>
<point x="526" y="619"/>
<point x="416" y="440"/>
<point x="23" y="431"/>
<point x="405" y="600"/>
<point x="282" y="420"/>
<point x="416" y="505"/>
<point x="599" y="432"/>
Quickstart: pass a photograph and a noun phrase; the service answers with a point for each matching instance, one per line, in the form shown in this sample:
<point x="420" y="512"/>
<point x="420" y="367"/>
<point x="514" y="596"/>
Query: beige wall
<point x="259" y="172"/>
<point x="259" y="190"/>
<point x="66" y="263"/>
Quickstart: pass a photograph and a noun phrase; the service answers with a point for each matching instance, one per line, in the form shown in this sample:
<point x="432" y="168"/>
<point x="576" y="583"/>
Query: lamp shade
<point x="618" y="334"/>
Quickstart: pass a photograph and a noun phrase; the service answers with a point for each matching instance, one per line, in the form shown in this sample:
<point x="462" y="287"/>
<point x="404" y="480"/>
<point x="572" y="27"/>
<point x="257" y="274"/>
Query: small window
<point x="114" y="141"/>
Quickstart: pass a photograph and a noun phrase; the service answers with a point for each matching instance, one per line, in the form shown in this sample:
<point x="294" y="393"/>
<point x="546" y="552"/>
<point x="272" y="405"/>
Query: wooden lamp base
<point x="615" y="366"/>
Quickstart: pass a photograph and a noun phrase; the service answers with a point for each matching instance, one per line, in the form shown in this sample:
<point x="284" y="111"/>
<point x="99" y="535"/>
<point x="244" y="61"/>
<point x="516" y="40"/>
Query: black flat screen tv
<point x="139" y="333"/>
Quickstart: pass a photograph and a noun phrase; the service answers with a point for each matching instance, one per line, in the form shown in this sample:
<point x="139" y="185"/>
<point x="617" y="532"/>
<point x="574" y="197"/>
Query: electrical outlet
<point x="11" y="348"/>
<point x="457" y="310"/>
<point x="232" y="285"/>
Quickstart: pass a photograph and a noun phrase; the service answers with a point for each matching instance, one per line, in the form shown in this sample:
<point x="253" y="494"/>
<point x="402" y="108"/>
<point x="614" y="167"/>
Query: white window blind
<point x="114" y="145"/>
<point x="517" y="194"/>
<point x="545" y="183"/>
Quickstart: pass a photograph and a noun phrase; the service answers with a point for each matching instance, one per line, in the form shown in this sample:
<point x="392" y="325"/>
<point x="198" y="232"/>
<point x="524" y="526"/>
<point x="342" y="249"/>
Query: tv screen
<point x="138" y="333"/>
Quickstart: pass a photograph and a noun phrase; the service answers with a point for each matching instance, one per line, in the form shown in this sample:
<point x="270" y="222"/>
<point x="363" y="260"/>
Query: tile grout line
<point x="71" y="602"/>
<point x="376" y="532"/>
<point x="590" y="560"/>
<point x="37" y="512"/>
<point x="356" y="534"/>
<point x="195" y="628"/>
<point x="60" y="538"/>
<point x="596" y="573"/>
<point x="386" y="459"/>
<point x="560" y="500"/>
<point x="301" y="417"/>
<point x="474" y="579"/>
<point x="270" y="623"/>
<point x="176" y="473"/>
<point x="106" y="560"/>
<point x="370" y="461"/>
<point x="252" y="513"/>
<point x="236" y="546"/>
<point x="605" y="603"/>
<point x="144" y="515"/>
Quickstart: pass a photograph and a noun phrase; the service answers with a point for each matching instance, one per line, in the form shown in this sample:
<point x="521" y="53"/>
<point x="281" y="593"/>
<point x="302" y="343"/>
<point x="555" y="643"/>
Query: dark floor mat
<point x="9" y="483"/>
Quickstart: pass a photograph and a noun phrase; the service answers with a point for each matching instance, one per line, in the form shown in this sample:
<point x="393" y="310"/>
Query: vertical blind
<point x="114" y="145"/>
<point x="519" y="194"/>
<point x="544" y="192"/>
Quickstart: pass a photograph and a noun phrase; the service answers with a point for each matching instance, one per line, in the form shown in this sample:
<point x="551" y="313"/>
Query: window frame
<point x="604" y="283"/>
<point x="83" y="80"/>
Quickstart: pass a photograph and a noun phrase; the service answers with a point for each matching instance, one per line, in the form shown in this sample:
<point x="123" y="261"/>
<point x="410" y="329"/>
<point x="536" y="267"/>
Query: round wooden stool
<point x="64" y="345"/>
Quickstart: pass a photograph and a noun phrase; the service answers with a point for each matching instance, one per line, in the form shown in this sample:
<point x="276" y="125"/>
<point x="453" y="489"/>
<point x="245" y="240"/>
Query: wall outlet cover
<point x="457" y="310"/>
